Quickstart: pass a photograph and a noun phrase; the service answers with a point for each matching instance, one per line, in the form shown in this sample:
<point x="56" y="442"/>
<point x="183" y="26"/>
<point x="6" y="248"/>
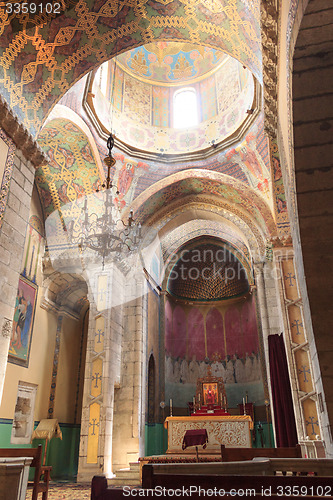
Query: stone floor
<point x="65" y="491"/>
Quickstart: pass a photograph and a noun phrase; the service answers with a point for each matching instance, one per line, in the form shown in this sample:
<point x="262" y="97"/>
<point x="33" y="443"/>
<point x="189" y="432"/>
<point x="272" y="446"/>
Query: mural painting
<point x="20" y="341"/>
<point x="224" y="337"/>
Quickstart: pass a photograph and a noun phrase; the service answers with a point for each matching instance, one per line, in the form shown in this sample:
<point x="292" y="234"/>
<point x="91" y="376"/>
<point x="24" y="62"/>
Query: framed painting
<point x="210" y="394"/>
<point x="20" y="342"/>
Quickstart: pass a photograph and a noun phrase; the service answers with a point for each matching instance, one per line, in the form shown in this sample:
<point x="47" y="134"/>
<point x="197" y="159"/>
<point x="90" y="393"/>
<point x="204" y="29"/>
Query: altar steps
<point x="129" y="476"/>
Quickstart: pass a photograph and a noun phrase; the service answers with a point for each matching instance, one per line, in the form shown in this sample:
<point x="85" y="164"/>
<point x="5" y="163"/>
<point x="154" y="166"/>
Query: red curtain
<point x="284" y="418"/>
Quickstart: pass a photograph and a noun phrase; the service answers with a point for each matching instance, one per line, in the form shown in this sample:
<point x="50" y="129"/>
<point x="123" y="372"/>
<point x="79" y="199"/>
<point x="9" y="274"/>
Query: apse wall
<point x="223" y="335"/>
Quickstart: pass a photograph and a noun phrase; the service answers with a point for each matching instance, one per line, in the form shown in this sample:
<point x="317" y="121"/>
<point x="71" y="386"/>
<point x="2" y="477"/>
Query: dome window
<point x="185" y="108"/>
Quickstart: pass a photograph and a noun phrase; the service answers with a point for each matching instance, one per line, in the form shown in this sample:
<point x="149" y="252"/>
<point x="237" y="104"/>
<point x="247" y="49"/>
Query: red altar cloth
<point x="215" y="410"/>
<point x="194" y="437"/>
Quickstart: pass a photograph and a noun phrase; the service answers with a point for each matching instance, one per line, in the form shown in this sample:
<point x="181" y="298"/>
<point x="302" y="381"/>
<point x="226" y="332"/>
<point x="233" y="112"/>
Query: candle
<point x="199" y="397"/>
<point x="244" y="406"/>
<point x="171" y="407"/>
<point x="193" y="402"/>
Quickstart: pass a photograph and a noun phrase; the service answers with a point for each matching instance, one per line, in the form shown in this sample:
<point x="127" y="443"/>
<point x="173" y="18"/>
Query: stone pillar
<point x="307" y="405"/>
<point x="16" y="190"/>
<point x="269" y="308"/>
<point x="102" y="373"/>
<point x="130" y="396"/>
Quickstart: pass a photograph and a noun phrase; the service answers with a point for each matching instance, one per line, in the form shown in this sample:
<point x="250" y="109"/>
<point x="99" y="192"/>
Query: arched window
<point x="102" y="77"/>
<point x="185" y="108"/>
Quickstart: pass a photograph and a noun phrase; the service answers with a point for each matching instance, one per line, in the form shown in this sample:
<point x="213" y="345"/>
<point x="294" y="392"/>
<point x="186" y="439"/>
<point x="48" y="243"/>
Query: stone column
<point x="130" y="396"/>
<point x="306" y="402"/>
<point x="268" y="300"/>
<point x="16" y="190"/>
<point x="102" y="372"/>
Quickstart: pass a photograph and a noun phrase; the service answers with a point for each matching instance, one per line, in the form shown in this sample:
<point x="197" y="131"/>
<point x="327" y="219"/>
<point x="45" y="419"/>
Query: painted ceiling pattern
<point x="194" y="183"/>
<point x="42" y="56"/>
<point x="72" y="171"/>
<point x="142" y="114"/>
<point x="170" y="62"/>
<point x="207" y="272"/>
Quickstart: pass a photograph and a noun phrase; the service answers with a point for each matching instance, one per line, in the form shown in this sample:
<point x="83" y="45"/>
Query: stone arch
<point x="76" y="43"/>
<point x="151" y="389"/>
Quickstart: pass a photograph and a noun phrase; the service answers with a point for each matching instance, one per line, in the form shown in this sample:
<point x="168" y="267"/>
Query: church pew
<point x="240" y="454"/>
<point x="258" y="479"/>
<point x="41" y="480"/>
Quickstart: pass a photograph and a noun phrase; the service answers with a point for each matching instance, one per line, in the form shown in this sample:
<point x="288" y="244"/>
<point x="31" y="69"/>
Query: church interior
<point x="165" y="228"/>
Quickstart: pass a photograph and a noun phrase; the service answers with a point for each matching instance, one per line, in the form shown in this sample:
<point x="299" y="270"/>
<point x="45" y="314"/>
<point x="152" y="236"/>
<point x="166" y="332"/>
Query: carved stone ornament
<point x="6" y="328"/>
<point x="20" y="135"/>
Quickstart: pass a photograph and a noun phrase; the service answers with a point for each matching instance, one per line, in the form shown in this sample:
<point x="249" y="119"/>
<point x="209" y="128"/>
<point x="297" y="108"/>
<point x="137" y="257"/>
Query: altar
<point x="231" y="430"/>
<point x="209" y="412"/>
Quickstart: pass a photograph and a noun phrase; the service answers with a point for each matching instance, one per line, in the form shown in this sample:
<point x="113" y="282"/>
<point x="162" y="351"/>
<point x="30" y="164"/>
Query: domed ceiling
<point x="170" y="62"/>
<point x="135" y="98"/>
<point x="207" y="271"/>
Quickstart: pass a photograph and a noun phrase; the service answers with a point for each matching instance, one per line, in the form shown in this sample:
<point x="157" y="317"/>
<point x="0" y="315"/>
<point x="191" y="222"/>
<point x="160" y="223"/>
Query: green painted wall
<point x="156" y="439"/>
<point x="62" y="454"/>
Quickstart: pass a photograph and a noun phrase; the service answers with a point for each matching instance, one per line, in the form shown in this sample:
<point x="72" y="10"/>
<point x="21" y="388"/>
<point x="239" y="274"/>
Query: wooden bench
<point x="240" y="454"/>
<point x="41" y="480"/>
<point x="248" y="478"/>
<point x="259" y="479"/>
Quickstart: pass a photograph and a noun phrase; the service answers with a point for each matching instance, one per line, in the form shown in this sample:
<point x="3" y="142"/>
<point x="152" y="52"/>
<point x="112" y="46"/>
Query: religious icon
<point x="210" y="394"/>
<point x="22" y="322"/>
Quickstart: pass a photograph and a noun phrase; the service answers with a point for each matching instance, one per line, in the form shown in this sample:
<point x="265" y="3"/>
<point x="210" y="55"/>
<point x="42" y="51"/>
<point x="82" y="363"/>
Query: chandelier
<point x="102" y="231"/>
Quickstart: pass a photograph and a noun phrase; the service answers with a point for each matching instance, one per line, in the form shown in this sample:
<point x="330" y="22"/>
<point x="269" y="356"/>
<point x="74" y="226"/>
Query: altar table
<point x="195" y="437"/>
<point x="232" y="430"/>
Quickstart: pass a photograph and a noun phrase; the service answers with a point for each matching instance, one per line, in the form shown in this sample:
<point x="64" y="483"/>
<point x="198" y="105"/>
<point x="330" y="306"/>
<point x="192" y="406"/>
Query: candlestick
<point x="170" y="407"/>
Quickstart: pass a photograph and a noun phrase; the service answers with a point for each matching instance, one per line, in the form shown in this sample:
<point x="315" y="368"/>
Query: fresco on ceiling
<point x="225" y="337"/>
<point x="144" y="118"/>
<point x="232" y="193"/>
<point x="170" y="62"/>
<point x="281" y="210"/>
<point x="72" y="171"/>
<point x="45" y="60"/>
<point x="127" y="173"/>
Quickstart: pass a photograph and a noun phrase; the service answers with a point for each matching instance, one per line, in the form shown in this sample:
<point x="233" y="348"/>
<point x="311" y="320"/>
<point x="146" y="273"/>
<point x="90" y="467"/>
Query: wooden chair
<point x="240" y="454"/>
<point x="41" y="480"/>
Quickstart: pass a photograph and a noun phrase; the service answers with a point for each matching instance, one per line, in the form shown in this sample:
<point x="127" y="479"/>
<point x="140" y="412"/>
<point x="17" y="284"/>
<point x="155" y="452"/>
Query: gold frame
<point x="202" y="387"/>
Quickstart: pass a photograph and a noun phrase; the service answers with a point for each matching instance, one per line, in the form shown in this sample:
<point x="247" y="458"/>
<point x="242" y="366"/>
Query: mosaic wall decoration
<point x="223" y="337"/>
<point x="7" y="151"/>
<point x="24" y="312"/>
<point x="40" y="62"/>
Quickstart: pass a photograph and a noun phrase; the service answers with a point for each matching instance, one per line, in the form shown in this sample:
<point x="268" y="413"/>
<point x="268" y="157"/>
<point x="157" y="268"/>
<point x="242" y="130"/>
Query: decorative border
<point x="7" y="175"/>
